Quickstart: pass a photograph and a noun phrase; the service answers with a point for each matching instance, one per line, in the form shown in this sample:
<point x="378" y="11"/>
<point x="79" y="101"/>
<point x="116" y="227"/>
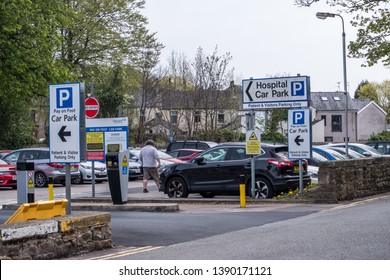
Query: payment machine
<point x="25" y="181"/>
<point x="118" y="177"/>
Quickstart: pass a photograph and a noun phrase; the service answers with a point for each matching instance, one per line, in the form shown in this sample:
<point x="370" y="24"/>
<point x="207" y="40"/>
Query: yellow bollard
<point x="242" y="192"/>
<point x="50" y="188"/>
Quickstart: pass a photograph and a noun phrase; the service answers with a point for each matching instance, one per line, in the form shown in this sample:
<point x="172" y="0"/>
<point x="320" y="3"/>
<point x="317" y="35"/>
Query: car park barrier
<point x="39" y="210"/>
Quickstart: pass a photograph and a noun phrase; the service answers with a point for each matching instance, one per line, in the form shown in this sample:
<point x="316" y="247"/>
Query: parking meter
<point x="118" y="178"/>
<point x="25" y="181"/>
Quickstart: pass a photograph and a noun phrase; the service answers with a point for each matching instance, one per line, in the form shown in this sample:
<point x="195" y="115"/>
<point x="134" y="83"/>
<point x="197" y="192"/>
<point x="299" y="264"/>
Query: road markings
<point x="132" y="251"/>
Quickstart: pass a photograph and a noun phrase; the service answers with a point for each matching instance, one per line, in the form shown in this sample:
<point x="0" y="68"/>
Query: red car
<point x="185" y="154"/>
<point x="7" y="175"/>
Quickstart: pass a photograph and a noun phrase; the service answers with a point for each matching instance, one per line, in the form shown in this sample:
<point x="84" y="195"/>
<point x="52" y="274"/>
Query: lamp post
<point x="322" y="15"/>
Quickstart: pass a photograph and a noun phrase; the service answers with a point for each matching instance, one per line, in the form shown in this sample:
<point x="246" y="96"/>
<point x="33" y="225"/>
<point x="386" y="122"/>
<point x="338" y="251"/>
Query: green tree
<point x="28" y="38"/>
<point x="367" y="90"/>
<point x="372" y="18"/>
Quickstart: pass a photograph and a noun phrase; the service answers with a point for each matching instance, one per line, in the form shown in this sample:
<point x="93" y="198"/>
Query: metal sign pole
<point x="300" y="177"/>
<point x="93" y="179"/>
<point x="67" y="188"/>
<point x="253" y="181"/>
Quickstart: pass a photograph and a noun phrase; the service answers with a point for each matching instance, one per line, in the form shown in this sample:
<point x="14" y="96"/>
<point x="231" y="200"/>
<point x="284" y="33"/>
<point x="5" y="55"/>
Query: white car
<point x="85" y="169"/>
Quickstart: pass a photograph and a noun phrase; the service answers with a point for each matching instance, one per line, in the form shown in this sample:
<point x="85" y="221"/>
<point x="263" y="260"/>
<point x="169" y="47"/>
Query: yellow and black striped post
<point x="242" y="192"/>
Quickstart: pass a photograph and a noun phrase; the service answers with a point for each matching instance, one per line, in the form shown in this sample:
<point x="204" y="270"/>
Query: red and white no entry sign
<point x="91" y="107"/>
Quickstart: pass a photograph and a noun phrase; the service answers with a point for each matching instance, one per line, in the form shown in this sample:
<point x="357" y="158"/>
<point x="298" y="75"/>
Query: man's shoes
<point x="146" y="191"/>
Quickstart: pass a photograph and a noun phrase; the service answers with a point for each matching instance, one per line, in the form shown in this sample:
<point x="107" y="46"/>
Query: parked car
<point x="43" y="168"/>
<point x="313" y="165"/>
<point x="4" y="152"/>
<point x="190" y="144"/>
<point x="351" y="153"/>
<point x="381" y="146"/>
<point x="7" y="175"/>
<point x="135" y="169"/>
<point x="360" y="148"/>
<point x="185" y="154"/>
<point x="329" y="153"/>
<point x="85" y="168"/>
<point x="165" y="159"/>
<point x="218" y="170"/>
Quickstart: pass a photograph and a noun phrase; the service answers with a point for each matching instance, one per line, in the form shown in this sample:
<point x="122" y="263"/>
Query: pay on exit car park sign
<point x="268" y="93"/>
<point x="64" y="122"/>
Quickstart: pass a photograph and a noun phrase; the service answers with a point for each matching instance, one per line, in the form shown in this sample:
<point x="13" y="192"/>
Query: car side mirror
<point x="199" y="160"/>
<point x="366" y="154"/>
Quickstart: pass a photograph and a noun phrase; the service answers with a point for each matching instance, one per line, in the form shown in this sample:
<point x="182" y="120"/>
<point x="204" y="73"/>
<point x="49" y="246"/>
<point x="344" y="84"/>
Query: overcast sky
<point x="266" y="38"/>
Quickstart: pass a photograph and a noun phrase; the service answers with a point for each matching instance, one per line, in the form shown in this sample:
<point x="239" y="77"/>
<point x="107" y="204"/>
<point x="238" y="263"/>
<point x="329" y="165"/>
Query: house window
<point x="323" y="117"/>
<point x="197" y="117"/>
<point x="328" y="139"/>
<point x="324" y="98"/>
<point x="221" y="116"/>
<point x="173" y="117"/>
<point x="336" y="123"/>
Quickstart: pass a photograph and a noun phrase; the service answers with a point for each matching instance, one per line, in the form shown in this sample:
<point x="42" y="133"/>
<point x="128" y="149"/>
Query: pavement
<point x="154" y="201"/>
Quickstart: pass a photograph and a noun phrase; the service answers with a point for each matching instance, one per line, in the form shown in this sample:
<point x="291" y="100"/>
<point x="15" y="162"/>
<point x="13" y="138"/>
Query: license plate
<point x="296" y="168"/>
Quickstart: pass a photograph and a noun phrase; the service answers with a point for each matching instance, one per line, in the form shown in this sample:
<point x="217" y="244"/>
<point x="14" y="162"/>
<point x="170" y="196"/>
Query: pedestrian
<point x="150" y="164"/>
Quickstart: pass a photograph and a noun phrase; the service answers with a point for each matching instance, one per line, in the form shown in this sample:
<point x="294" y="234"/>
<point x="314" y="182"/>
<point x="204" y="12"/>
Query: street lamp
<point x="322" y="15"/>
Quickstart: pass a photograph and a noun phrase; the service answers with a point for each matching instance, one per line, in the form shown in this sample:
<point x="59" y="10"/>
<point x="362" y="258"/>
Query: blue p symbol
<point x="298" y="88"/>
<point x="299" y="117"/>
<point x="64" y="97"/>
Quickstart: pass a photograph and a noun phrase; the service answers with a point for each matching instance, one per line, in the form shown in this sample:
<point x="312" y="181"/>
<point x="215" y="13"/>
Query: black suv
<point x="218" y="170"/>
<point x="190" y="144"/>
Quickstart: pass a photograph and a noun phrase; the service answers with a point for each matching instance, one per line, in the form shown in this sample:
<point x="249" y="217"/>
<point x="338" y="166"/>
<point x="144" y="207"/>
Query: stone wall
<point x="56" y="238"/>
<point x="350" y="179"/>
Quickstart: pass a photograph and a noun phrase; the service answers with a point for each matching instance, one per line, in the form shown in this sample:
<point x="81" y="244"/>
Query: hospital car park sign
<point x="64" y="123"/>
<point x="269" y="93"/>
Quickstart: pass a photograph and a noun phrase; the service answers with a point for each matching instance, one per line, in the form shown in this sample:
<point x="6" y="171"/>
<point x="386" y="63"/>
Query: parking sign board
<point x="285" y="92"/>
<point x="64" y="123"/>
<point x="299" y="133"/>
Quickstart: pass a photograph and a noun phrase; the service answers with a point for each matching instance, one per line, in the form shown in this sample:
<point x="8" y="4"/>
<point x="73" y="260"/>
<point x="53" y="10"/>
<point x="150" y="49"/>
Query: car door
<point x="236" y="164"/>
<point x="208" y="175"/>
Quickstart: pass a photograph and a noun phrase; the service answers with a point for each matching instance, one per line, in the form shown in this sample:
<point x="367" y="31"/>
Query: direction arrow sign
<point x="64" y="125"/>
<point x="298" y="140"/>
<point x="62" y="133"/>
<point x="285" y="92"/>
<point x="299" y="133"/>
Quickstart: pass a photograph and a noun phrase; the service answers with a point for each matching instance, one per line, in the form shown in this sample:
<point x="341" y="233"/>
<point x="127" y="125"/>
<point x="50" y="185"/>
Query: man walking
<point x="150" y="164"/>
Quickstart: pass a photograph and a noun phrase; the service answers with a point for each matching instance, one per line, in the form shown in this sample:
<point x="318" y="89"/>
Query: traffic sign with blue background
<point x="64" y="123"/>
<point x="299" y="133"/>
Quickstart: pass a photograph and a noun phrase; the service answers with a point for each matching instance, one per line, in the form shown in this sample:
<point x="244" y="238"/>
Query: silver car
<point x="100" y="172"/>
<point x="43" y="168"/>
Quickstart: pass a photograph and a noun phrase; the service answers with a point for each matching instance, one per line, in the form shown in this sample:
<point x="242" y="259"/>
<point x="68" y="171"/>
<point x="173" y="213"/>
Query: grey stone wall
<point x="56" y="238"/>
<point x="350" y="179"/>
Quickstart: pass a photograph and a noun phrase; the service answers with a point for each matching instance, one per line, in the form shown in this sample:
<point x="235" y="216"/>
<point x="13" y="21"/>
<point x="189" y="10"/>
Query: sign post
<point x="299" y="137"/>
<point x="64" y="128"/>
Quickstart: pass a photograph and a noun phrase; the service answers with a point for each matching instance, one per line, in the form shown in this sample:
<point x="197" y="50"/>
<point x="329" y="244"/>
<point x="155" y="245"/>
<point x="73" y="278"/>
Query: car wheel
<point x="207" y="194"/>
<point x="177" y="187"/>
<point x="40" y="180"/>
<point x="263" y="189"/>
<point x="78" y="180"/>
